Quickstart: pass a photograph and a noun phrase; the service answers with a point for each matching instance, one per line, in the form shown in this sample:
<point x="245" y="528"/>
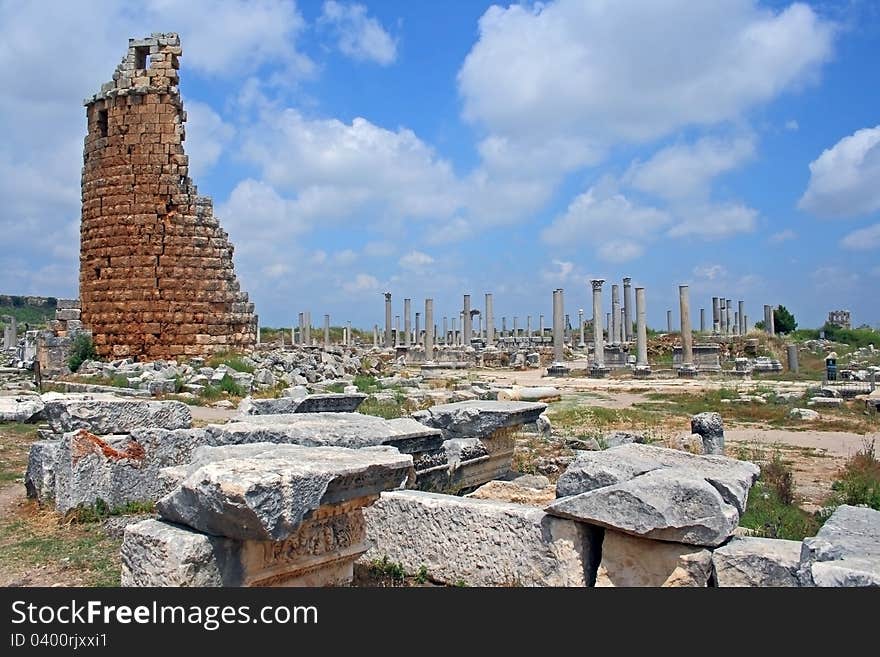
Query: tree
<point x="783" y="320"/>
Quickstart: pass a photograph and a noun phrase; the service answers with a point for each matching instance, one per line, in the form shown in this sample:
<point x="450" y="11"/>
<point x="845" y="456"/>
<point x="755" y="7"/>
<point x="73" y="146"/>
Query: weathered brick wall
<point x="156" y="272"/>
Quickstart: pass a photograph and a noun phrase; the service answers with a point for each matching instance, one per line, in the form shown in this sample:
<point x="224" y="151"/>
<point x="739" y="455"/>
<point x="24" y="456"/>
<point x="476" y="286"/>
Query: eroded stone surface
<point x="20" y="409"/>
<point x="757" y="562"/>
<point x="479" y="418"/>
<point x="477" y="542"/>
<point x="845" y="551"/>
<point x="105" y="415"/>
<point x="265" y="491"/>
<point x="320" y="403"/>
<point x="631" y="561"/>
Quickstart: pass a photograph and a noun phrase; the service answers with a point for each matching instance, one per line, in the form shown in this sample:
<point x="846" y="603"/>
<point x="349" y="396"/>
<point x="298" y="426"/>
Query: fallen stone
<point x="39" y="478"/>
<point x="618" y="438"/>
<point x="803" y="414"/>
<point x="21" y="409"/>
<point x="119" y="469"/>
<point x="664" y="504"/>
<point x="320" y="553"/>
<point x="845" y="551"/>
<point x="592" y="470"/>
<point x="630" y="561"/>
<point x="826" y="402"/>
<point x="711" y="428"/>
<point x="352" y="430"/>
<point x="477" y="542"/>
<point x="757" y="562"/>
<point x="265" y="491"/>
<point x="479" y="418"/>
<point x="105" y="415"/>
<point x="321" y="403"/>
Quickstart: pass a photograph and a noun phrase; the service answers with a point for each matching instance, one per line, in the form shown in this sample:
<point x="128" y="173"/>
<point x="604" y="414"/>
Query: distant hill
<point x="33" y="311"/>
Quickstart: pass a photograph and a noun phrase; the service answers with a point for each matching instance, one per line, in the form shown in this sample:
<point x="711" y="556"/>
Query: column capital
<point x="627" y="280"/>
<point x="597" y="283"/>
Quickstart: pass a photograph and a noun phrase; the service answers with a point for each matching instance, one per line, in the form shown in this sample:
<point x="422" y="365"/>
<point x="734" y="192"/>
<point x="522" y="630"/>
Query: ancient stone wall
<point x="156" y="271"/>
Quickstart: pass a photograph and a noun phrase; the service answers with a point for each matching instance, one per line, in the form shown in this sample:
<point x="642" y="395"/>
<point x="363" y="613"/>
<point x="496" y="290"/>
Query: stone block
<point x="752" y="561"/>
<point x="630" y="561"/>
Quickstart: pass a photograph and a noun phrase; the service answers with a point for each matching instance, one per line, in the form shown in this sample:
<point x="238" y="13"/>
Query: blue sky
<point x="437" y="149"/>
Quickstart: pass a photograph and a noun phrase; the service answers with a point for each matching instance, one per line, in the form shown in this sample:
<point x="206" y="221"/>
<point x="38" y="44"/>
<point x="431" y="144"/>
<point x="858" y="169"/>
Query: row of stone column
<point x="725" y="320"/>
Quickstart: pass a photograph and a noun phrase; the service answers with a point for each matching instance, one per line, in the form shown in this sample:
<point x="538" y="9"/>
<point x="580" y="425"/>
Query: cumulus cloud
<point x="845" y="179"/>
<point x="255" y="212"/>
<point x="715" y="221"/>
<point x="336" y="169"/>
<point x="791" y="125"/>
<point x="361" y="283"/>
<point x="207" y="134"/>
<point x="686" y="170"/>
<point x="601" y="73"/>
<point x="864" y="239"/>
<point x="710" y="272"/>
<point x="358" y="35"/>
<point x="597" y="218"/>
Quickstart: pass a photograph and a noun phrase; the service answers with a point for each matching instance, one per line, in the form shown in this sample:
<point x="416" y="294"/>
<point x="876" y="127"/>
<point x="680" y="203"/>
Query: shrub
<point x="859" y="480"/>
<point x="83" y="349"/>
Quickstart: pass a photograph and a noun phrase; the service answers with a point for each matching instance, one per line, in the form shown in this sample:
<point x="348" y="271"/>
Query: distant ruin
<point x="156" y="272"/>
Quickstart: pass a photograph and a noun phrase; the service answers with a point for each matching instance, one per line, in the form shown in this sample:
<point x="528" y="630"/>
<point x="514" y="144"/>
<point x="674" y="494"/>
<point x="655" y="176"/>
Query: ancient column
<point x="722" y="316"/>
<point x="716" y="316"/>
<point x="558" y="319"/>
<point x="350" y="335"/>
<point x="397" y="330"/>
<point x="308" y="318"/>
<point x="466" y="318"/>
<point x="445" y="331"/>
<point x="429" y="329"/>
<point x="702" y="320"/>
<point x="490" y="321"/>
<point x="742" y="310"/>
<point x="792" y="352"/>
<point x="598" y="342"/>
<point x="480" y="335"/>
<point x="567" y="328"/>
<point x="687" y="339"/>
<point x="610" y="338"/>
<point x="529" y="327"/>
<point x="728" y="315"/>
<point x="581" y="343"/>
<point x="772" y="321"/>
<point x="375" y="336"/>
<point x="302" y="322"/>
<point x="627" y="309"/>
<point x="669" y="321"/>
<point x="746" y="323"/>
<point x="504" y="327"/>
<point x="407" y="324"/>
<point x="641" y="332"/>
<point x="389" y="342"/>
<point x="736" y="322"/>
<point x="541" y="326"/>
<point x="453" y="332"/>
<point x="417" y="334"/>
<point x="327" y="331"/>
<point x="257" y="320"/>
<point x="615" y="314"/>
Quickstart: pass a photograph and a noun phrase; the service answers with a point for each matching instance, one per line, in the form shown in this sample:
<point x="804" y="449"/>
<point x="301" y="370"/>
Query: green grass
<point x="232" y="360"/>
<point x="15" y="441"/>
<point x="89" y="513"/>
<point x="33" y="316"/>
<point x="83" y="349"/>
<point x="366" y="384"/>
<point x="335" y="387"/>
<point x="599" y="417"/>
<point x="388" y="570"/>
<point x="770" y="517"/>
<point x="31" y="539"/>
<point x="860" y="337"/>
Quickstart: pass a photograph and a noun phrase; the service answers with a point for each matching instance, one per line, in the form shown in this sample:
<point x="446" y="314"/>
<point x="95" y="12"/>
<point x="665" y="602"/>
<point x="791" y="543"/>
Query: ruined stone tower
<point x="156" y="275"/>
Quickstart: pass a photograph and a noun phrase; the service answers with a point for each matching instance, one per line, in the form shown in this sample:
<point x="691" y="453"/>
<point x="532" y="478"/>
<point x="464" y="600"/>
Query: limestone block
<point x="753" y="561"/>
<point x="845" y="551"/>
<point x="106" y="415"/>
<point x="477" y="542"/>
<point x="630" y="561"/>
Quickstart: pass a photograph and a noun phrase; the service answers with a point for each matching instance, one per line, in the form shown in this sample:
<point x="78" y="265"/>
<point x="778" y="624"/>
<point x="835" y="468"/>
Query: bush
<point x="83" y="349"/>
<point x="859" y="480"/>
<point x="778" y="476"/>
<point x="783" y="321"/>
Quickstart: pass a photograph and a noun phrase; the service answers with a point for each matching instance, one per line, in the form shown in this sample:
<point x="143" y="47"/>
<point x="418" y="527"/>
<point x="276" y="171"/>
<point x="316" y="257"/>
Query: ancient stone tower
<point x="156" y="274"/>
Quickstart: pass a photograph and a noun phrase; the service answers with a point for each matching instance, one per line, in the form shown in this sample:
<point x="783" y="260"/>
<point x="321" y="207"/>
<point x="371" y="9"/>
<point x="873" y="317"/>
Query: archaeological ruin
<point x="156" y="272"/>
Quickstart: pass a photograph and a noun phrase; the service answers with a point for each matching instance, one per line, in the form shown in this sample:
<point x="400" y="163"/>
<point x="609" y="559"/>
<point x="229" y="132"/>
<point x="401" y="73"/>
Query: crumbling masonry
<point x="156" y="271"/>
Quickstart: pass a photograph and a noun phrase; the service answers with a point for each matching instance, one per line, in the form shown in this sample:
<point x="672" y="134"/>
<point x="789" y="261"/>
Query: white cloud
<point x="338" y="169"/>
<point x="715" y="221"/>
<point x="206" y="137"/>
<point x="791" y="125"/>
<point x="604" y="72"/>
<point x="255" y="213"/>
<point x="359" y="36"/>
<point x="344" y="257"/>
<point x="415" y="260"/>
<point x="685" y="170"/>
<point x="360" y="284"/>
<point x="710" y="272"/>
<point x="782" y="236"/>
<point x="845" y="179"/>
<point x="864" y="239"/>
<point x="835" y="279"/>
<point x="597" y="217"/>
